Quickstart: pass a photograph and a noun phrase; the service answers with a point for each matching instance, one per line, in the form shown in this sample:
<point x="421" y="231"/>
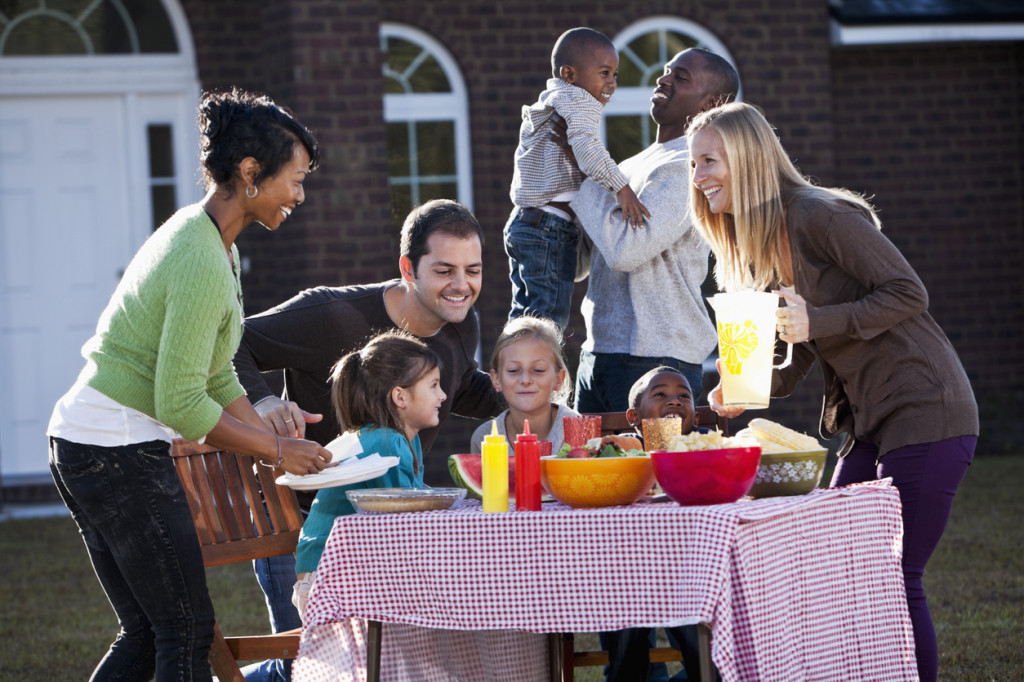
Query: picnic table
<point x="793" y="588"/>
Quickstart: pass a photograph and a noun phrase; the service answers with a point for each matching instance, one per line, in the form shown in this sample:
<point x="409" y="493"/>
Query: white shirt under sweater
<point x="643" y="296"/>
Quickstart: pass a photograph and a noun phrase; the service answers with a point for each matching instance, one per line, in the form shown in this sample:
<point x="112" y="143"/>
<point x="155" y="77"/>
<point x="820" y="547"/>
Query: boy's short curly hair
<point x="640" y="386"/>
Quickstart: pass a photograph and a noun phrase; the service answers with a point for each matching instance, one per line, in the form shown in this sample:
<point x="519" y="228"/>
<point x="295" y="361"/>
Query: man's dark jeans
<point x="603" y="380"/>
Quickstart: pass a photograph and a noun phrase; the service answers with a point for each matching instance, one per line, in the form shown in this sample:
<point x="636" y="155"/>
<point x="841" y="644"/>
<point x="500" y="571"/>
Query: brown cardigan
<point x="891" y="376"/>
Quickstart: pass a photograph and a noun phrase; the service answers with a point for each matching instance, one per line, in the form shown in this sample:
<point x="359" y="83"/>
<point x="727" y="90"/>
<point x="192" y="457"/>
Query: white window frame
<point x="636" y="100"/>
<point x="160" y="88"/>
<point x="905" y="34"/>
<point x="441" y="106"/>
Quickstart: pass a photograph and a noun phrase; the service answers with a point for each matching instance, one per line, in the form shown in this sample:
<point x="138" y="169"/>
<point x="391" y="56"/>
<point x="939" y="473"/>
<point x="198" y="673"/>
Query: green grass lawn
<point x="57" y="624"/>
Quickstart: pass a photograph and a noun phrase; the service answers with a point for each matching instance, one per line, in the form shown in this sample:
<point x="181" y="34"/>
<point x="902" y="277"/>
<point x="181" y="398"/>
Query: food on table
<point x="788" y="473"/>
<point x="707" y="476"/>
<point x="712" y="440"/>
<point x="607" y="446"/>
<point x="597" y="481"/>
<point x="775" y="437"/>
<point x="791" y="462"/>
<point x="388" y="500"/>
<point x="467" y="472"/>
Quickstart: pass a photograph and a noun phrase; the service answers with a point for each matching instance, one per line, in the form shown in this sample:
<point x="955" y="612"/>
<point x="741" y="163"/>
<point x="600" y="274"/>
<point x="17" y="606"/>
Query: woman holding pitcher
<point x="893" y="382"/>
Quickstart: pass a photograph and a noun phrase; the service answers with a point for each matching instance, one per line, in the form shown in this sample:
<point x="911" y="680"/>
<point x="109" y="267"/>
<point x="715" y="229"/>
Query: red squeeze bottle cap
<point x="526" y="435"/>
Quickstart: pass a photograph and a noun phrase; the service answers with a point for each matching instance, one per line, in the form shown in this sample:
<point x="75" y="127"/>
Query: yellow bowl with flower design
<point x="597" y="481"/>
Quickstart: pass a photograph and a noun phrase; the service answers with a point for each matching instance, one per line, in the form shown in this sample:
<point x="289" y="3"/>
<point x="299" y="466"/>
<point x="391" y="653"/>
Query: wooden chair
<point x="572" y="659"/>
<point x="611" y="423"/>
<point x="224" y="494"/>
<point x="615" y="422"/>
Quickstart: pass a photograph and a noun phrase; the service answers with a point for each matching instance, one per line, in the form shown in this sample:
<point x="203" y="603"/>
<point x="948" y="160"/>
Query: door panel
<point x="65" y="235"/>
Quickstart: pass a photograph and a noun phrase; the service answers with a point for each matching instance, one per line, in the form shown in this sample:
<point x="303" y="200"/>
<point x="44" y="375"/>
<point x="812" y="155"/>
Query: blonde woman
<point x="893" y="382"/>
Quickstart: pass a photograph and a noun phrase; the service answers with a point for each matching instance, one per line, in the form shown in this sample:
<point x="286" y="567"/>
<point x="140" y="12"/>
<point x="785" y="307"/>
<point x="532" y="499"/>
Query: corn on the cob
<point x="777" y="438"/>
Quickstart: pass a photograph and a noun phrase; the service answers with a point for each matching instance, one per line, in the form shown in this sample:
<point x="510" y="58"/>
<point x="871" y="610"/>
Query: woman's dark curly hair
<point x="236" y="124"/>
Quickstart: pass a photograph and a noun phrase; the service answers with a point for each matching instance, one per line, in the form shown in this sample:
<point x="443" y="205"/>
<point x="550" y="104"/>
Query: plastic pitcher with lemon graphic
<point x="746" y="344"/>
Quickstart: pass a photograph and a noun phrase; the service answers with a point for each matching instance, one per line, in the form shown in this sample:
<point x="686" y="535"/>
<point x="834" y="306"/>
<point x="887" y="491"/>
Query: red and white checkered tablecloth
<point x="794" y="588"/>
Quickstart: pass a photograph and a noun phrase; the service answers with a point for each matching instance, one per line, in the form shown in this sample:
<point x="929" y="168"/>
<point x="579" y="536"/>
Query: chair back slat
<point x="256" y="491"/>
<point x="244" y="504"/>
<point x="709" y="419"/>
<point x="184" y="468"/>
<point x="210" y="515"/>
<point x="224" y="505"/>
<point x="282" y="504"/>
<point x="227" y="506"/>
<point x="613" y="423"/>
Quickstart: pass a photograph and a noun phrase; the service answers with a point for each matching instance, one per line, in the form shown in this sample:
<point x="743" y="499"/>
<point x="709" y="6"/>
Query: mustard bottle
<point x="494" y="464"/>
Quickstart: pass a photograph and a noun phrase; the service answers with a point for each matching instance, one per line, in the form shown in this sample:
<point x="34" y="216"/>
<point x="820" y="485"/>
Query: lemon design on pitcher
<point x="735" y="343"/>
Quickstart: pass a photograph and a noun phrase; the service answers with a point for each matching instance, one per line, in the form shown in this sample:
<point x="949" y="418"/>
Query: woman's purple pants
<point x="927" y="476"/>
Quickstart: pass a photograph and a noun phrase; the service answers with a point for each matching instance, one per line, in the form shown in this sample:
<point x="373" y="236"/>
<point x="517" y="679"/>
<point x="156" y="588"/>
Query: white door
<point x="65" y="236"/>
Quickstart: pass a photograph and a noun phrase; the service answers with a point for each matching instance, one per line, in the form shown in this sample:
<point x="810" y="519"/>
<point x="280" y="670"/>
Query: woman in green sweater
<point x="160" y="364"/>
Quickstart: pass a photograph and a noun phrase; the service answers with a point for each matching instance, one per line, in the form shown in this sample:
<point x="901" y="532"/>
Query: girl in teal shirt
<point x="387" y="392"/>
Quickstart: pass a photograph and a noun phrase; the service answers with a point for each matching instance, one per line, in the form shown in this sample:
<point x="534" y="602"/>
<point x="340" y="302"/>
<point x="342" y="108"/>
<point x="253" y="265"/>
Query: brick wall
<point x="933" y="131"/>
<point x="322" y="59"/>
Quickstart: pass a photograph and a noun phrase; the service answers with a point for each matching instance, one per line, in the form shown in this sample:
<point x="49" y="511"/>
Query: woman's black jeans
<point x="131" y="510"/>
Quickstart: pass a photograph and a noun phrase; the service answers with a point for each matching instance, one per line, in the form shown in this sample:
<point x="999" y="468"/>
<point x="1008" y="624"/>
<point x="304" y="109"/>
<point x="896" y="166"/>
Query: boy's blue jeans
<point x="131" y="510"/>
<point x="541" y="249"/>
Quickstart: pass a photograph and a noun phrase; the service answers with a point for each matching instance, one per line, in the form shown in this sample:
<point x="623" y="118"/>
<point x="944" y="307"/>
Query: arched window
<point x="86" y="27"/>
<point x="427" y="116"/>
<point x="644" y="49"/>
<point x="137" y="55"/>
<point x="98" y="143"/>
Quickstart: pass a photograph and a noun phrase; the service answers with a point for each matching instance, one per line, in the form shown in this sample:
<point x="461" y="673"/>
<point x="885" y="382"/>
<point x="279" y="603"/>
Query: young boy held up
<point x="541" y="236"/>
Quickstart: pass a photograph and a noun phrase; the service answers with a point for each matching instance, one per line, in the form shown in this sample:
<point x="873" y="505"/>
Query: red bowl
<point x="706" y="476"/>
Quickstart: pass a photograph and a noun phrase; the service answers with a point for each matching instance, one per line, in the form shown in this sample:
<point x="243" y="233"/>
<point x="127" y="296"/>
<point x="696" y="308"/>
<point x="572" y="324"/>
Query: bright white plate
<point x="345" y="474"/>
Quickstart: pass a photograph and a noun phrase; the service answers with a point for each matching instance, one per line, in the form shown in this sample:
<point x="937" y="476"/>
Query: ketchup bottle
<point x="527" y="449"/>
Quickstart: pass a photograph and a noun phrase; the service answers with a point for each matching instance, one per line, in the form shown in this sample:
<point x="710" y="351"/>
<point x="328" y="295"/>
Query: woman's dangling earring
<point x="255" y="191"/>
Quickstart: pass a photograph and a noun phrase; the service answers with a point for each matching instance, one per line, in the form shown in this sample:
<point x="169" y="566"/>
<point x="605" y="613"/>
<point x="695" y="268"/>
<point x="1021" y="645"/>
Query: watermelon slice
<point x="467" y="472"/>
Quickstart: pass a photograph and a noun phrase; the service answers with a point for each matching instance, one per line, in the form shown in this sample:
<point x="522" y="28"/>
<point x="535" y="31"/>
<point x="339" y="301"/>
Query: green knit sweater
<point x="164" y="343"/>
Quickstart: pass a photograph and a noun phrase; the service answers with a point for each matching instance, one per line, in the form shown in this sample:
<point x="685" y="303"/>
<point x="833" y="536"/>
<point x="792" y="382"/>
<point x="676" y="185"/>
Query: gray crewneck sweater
<point x="644" y="297"/>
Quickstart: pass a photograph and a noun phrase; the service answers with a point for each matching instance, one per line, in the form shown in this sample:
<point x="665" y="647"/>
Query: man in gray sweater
<point x="643" y="306"/>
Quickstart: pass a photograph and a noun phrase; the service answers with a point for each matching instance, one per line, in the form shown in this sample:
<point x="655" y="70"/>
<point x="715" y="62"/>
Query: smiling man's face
<point x="447" y="280"/>
<point x="681" y="92"/>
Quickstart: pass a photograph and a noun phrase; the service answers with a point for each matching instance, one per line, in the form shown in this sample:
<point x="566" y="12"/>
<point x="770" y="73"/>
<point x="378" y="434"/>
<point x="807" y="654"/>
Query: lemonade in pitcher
<point x="746" y="343"/>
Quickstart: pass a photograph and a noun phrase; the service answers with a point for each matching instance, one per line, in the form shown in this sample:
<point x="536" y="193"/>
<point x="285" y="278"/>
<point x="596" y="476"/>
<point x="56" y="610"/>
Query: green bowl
<point x="788" y="473"/>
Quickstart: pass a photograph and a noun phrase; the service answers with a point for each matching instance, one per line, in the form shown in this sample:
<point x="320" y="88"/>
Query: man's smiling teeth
<point x="455" y="299"/>
<point x="286" y="211"/>
<point x="659" y="95"/>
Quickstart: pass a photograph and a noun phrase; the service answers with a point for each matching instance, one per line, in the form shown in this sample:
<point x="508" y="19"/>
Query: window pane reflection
<point x="162" y="192"/>
<point x="436" y="147"/>
<point x="410" y="68"/>
<point x="627" y="135"/>
<point x="86" y="27"/>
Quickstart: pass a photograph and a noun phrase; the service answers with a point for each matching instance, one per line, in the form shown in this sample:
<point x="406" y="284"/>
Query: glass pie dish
<point x="390" y="500"/>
